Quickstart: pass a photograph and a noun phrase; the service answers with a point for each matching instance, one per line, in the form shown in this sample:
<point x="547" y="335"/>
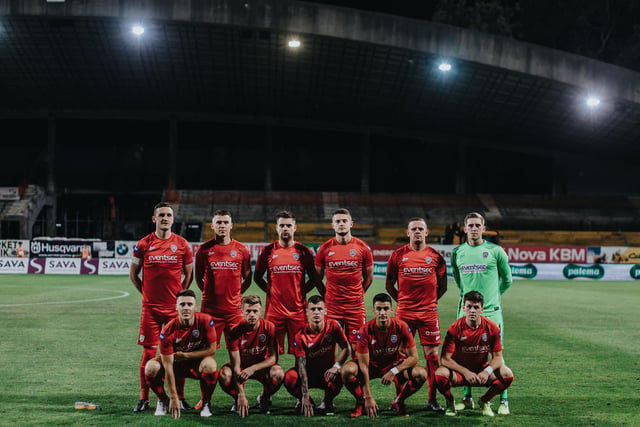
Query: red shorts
<point x="316" y="379"/>
<point x="350" y="323"/>
<point x="224" y="322"/>
<point x="289" y="325"/>
<point x="183" y="369"/>
<point x="461" y="381"/>
<point x="262" y="375"/>
<point x="151" y="322"/>
<point x="377" y="372"/>
<point x="427" y="326"/>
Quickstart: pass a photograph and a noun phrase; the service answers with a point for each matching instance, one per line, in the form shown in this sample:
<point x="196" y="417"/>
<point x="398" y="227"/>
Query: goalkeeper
<point x="482" y="266"/>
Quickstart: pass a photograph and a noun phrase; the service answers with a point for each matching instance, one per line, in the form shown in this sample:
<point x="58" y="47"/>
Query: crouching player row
<point x="465" y="356"/>
<point x="386" y="350"/>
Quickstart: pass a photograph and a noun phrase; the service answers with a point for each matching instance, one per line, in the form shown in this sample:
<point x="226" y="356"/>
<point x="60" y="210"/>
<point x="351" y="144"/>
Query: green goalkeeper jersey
<point x="483" y="268"/>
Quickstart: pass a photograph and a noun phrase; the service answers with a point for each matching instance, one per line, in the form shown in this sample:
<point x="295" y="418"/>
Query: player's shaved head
<point x="162" y="205"/>
<point x="315" y="299"/>
<point x="186" y="293"/>
<point x="342" y="211"/>
<point x="286" y="215"/>
<point x="474" y="296"/>
<point x="416" y="218"/>
<point x="222" y="212"/>
<point x="251" y="300"/>
<point x="473" y="215"/>
<point x="382" y="298"/>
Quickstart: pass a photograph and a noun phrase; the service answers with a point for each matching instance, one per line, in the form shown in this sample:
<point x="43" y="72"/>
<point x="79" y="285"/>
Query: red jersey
<point x="471" y="347"/>
<point x="285" y="268"/>
<point x="162" y="264"/>
<point x="254" y="346"/>
<point x="344" y="265"/>
<point x="319" y="347"/>
<point x="198" y="336"/>
<point x="417" y="274"/>
<point x="384" y="346"/>
<point x="222" y="267"/>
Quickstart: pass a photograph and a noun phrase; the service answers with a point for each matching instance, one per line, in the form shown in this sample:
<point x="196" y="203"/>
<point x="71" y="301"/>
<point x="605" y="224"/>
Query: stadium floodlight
<point x="444" y="67"/>
<point x="137" y="30"/>
<point x="593" y="101"/>
<point x="294" y="43"/>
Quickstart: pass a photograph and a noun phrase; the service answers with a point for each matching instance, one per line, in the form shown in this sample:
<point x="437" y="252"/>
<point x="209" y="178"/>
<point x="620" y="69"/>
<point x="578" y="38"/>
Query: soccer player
<point x="253" y="354"/>
<point x="187" y="346"/>
<point x="287" y="264"/>
<point x="348" y="263"/>
<point x="167" y="263"/>
<point x="479" y="265"/>
<point x="465" y="356"/>
<point x="421" y="274"/>
<point x="223" y="274"/>
<point x="316" y="363"/>
<point x="386" y="350"/>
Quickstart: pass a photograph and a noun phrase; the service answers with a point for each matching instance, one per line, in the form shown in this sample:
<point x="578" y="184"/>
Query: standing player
<point x="187" y="346"/>
<point x="316" y="363"/>
<point x="465" y="356"/>
<point x="386" y="350"/>
<point x="421" y="274"/>
<point x="163" y="257"/>
<point x="479" y="265"/>
<point x="223" y="274"/>
<point x="286" y="263"/>
<point x="348" y="263"/>
<point x="253" y="354"/>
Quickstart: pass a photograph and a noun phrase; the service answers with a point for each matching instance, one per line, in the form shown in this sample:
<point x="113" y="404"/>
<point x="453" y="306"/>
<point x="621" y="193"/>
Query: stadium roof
<point x="226" y="60"/>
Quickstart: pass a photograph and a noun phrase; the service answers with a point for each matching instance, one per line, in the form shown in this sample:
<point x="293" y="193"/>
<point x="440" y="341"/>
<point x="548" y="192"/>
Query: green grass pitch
<point x="572" y="345"/>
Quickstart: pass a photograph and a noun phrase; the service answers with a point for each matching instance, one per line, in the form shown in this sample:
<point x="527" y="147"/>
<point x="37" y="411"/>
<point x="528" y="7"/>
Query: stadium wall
<point x="113" y="257"/>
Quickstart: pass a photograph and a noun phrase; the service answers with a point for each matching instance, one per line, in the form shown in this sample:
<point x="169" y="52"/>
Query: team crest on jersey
<point x="195" y="333"/>
<point x="394" y="339"/>
<point x="485" y="254"/>
<point x="174" y="248"/>
<point x="262" y="338"/>
<point x="296" y="256"/>
<point x="352" y="252"/>
<point x="142" y="338"/>
<point x="211" y="323"/>
<point x="161" y="337"/>
<point x="233" y="254"/>
<point x="295" y="344"/>
<point x="358" y="336"/>
<point x="428" y="260"/>
<point x="329" y="338"/>
<point x="484" y="337"/>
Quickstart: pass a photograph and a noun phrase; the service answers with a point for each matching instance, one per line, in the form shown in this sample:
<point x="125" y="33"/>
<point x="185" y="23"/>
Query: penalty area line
<point x="122" y="294"/>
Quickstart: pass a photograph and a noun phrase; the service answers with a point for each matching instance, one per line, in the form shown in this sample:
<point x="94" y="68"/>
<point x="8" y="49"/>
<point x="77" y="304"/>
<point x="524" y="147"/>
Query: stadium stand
<point x="19" y="216"/>
<point x="514" y="220"/>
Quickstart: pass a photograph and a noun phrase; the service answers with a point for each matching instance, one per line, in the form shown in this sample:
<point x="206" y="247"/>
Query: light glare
<point x="592" y="101"/>
<point x="444" y="66"/>
<point x="138" y="30"/>
<point x="294" y="43"/>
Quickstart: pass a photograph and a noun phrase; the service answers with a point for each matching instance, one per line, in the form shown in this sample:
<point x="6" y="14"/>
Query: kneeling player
<point x="465" y="356"/>
<point x="385" y="350"/>
<point x="317" y="367"/>
<point x="253" y="353"/>
<point x="187" y="345"/>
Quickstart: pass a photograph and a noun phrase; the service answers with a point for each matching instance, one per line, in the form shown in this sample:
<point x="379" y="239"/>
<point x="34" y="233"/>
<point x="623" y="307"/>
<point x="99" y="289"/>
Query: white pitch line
<point x="123" y="294"/>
